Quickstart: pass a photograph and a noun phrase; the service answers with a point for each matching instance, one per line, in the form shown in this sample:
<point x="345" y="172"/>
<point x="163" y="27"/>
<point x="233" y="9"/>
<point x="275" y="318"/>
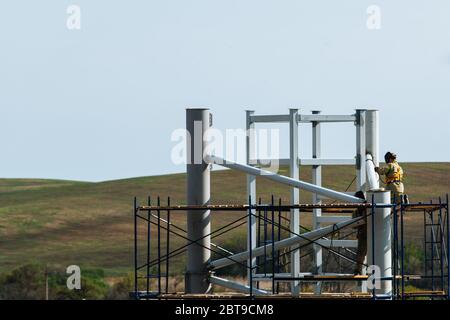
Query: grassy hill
<point x="90" y="224"/>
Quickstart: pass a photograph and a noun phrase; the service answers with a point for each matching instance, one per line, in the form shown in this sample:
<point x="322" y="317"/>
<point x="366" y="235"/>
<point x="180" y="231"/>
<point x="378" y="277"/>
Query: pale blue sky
<point x="100" y="103"/>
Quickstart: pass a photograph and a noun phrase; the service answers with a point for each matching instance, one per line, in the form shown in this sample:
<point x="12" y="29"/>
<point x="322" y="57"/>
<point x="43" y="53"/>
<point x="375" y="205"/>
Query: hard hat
<point x="389" y="155"/>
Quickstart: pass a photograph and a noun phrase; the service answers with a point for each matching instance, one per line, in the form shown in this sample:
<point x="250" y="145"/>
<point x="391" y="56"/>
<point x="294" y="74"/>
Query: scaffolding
<point x="275" y="240"/>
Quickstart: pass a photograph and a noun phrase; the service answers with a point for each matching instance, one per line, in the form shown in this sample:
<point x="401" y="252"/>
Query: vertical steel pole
<point x="167" y="246"/>
<point x="394" y="255"/>
<point x="251" y="187"/>
<point x="265" y="241"/>
<point x="250" y="239"/>
<point x="373" y="261"/>
<point x="372" y="149"/>
<point x="149" y="202"/>
<point x="317" y="180"/>
<point x="381" y="253"/>
<point x="425" y="242"/>
<point x="278" y="239"/>
<point x="295" y="196"/>
<point x="441" y="244"/>
<point x="136" y="293"/>
<point x="402" y="244"/>
<point x="198" y="193"/>
<point x="372" y="136"/>
<point x="448" y="247"/>
<point x="159" y="246"/>
<point x="433" y="240"/>
<point x="360" y="150"/>
<point x="258" y="241"/>
<point x="273" y="246"/>
<point x="360" y="124"/>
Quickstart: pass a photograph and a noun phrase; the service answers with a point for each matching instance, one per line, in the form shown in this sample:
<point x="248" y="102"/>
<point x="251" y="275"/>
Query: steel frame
<point x="294" y="118"/>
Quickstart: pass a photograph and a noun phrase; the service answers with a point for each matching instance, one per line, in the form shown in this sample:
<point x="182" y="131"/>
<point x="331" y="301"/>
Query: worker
<point x="394" y="178"/>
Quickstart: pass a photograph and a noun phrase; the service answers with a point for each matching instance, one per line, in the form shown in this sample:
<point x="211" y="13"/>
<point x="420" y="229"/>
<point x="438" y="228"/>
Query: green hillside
<point x="90" y="224"/>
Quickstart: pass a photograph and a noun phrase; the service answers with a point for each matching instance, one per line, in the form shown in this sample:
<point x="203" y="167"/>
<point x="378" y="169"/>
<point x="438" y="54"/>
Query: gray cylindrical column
<point x="372" y="135"/>
<point x="379" y="251"/>
<point x="198" y="193"/>
<point x="361" y="149"/>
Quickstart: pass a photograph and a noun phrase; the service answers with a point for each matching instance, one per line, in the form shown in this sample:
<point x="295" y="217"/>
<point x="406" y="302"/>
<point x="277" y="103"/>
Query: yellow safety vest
<point x="394" y="174"/>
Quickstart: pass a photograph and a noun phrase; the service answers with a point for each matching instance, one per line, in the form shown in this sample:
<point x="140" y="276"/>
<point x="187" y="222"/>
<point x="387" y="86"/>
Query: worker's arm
<point x="384" y="170"/>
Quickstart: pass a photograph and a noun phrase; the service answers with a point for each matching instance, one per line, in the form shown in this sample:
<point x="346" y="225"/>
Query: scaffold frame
<point x="159" y="216"/>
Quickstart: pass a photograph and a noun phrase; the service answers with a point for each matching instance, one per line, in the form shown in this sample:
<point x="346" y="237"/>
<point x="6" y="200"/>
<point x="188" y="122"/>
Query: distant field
<point x="90" y="224"/>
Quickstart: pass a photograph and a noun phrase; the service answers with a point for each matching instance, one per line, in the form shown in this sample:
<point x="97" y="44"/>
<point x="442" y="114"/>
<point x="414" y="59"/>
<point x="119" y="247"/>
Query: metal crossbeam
<point x="304" y="118"/>
<point x="338" y="243"/>
<point x="332" y="219"/>
<point x="283" y="179"/>
<point x="327" y="162"/>
<point x="284" y="118"/>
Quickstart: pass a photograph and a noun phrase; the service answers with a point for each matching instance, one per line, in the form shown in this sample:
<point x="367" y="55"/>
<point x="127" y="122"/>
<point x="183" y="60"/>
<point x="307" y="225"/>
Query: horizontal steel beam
<point x="269" y="276"/>
<point x="305" y="162"/>
<point x="284" y="208"/>
<point x="283" y="179"/>
<point x="302" y="118"/>
<point x="325" y="118"/>
<point x="277" y="118"/>
<point x="326" y="162"/>
<point x="235" y="286"/>
<point x="316" y="278"/>
<point x="320" y="197"/>
<point x="332" y="219"/>
<point x="338" y="243"/>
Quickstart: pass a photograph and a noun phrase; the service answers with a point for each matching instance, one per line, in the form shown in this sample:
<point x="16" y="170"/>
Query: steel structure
<point x="280" y="241"/>
<point x="366" y="137"/>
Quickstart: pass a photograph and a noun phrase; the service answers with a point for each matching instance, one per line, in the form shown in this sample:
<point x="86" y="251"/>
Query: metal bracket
<point x="358" y="161"/>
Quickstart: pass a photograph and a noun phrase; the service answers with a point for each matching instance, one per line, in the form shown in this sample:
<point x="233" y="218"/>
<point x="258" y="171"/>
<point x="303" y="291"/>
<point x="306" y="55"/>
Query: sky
<point x="101" y="102"/>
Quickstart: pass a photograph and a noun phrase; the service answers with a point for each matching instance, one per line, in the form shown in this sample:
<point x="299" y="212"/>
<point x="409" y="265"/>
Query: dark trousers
<point x="361" y="236"/>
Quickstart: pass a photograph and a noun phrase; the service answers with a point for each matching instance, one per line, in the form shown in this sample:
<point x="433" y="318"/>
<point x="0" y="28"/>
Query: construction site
<point x="283" y="257"/>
